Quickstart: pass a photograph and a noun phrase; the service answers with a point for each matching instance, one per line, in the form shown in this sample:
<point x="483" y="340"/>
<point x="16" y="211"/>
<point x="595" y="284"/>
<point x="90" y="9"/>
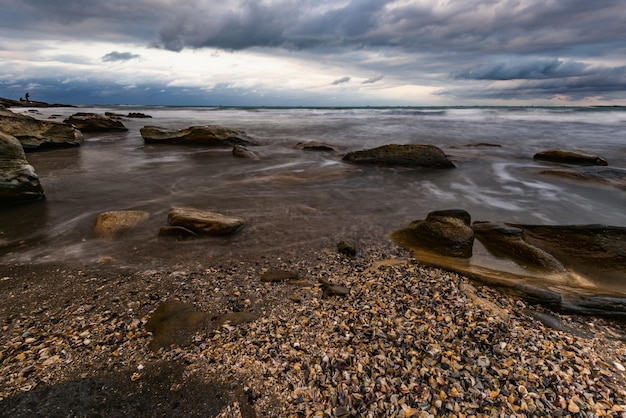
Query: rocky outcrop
<point x="212" y="135"/>
<point x="445" y="232"/>
<point x="94" y="122"/>
<point x="569" y="157"/>
<point x="203" y="222"/>
<point x="18" y="180"/>
<point x="409" y="155"/>
<point x="509" y="241"/>
<point x="114" y="223"/>
<point x="36" y="134"/>
<point x="132" y="115"/>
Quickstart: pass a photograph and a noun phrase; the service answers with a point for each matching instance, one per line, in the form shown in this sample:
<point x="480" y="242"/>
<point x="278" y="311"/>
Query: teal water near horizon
<point x="292" y="199"/>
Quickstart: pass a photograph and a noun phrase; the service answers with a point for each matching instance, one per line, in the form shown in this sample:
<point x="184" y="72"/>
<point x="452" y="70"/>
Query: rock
<point x="213" y="135"/>
<point x="610" y="176"/>
<point x="332" y="289"/>
<point x="445" y="232"/>
<point x="204" y="222"/>
<point x="570" y="157"/>
<point x="114" y="223"/>
<point x="174" y="322"/>
<point x="316" y="146"/>
<point x="18" y="180"/>
<point x="243" y="152"/>
<point x="136" y="115"/>
<point x="36" y="134"/>
<point x="94" y="122"/>
<point x="347" y="247"/>
<point x="507" y="240"/>
<point x="410" y="155"/>
<point x="273" y="276"/>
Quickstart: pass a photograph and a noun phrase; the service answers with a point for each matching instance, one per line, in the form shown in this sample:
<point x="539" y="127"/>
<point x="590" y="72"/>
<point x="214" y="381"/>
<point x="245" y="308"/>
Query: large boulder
<point x="203" y="222"/>
<point x="444" y="232"/>
<point x="35" y="134"/>
<point x="94" y="122"/>
<point x="18" y="180"/>
<point x="408" y="155"/>
<point x="114" y="223"/>
<point x="213" y="135"/>
<point x="569" y="157"/>
<point x="507" y="240"/>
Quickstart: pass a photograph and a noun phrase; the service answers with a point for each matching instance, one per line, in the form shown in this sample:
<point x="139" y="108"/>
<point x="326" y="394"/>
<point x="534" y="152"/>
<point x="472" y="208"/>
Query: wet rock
<point x="610" y="176"/>
<point x="94" y="122"/>
<point x="570" y="157"/>
<point x="176" y="231"/>
<point x="212" y="135"/>
<point x="36" y="134"/>
<point x="174" y="322"/>
<point x="445" y="232"/>
<point x="408" y="155"/>
<point x="18" y="180"/>
<point x="204" y="222"/>
<point x="278" y="276"/>
<point x="135" y="115"/>
<point x="347" y="247"/>
<point x="506" y="240"/>
<point x="243" y="152"/>
<point x="114" y="223"/>
<point x="316" y="146"/>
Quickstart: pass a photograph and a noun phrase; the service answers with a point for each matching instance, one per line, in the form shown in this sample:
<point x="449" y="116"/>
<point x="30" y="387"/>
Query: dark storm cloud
<point x="534" y="68"/>
<point x="341" y="80"/>
<point x="119" y="56"/>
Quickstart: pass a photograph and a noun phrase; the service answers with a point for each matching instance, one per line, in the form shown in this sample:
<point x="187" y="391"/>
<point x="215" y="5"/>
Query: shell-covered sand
<point x="407" y="341"/>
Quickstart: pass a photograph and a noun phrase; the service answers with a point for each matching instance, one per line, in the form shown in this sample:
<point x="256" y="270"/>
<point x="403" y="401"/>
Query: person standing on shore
<point x="27" y="97"/>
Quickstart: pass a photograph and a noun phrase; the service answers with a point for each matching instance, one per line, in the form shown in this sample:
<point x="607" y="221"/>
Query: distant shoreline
<point x="31" y="103"/>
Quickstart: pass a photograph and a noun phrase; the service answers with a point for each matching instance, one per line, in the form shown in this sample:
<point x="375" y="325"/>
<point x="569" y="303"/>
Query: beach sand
<point x="406" y="341"/>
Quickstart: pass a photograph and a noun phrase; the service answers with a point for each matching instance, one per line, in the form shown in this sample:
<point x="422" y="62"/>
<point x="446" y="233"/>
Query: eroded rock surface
<point x="570" y="157"/>
<point x="212" y="135"/>
<point x="18" y="180"/>
<point x="94" y="122"/>
<point x="408" y="155"/>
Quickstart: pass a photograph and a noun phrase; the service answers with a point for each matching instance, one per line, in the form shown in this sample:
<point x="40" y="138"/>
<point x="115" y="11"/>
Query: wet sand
<point x="407" y="341"/>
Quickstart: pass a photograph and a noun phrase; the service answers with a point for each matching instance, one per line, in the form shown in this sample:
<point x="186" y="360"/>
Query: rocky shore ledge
<point x="399" y="340"/>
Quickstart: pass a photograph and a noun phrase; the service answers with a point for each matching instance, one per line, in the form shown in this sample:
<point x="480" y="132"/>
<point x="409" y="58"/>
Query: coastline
<point x="407" y="341"/>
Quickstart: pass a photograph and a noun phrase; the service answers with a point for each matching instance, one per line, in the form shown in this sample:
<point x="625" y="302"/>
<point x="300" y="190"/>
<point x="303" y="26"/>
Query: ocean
<point x="296" y="201"/>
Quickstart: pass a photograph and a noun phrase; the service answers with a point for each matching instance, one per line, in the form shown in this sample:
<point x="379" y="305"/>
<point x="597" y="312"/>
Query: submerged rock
<point x="213" y="135"/>
<point x="316" y="146"/>
<point x="445" y="232"/>
<point x="243" y="152"/>
<point x="408" y="155"/>
<point x="36" y="134"/>
<point x="204" y="222"/>
<point x="18" y="180"/>
<point x="570" y="157"/>
<point x="599" y="175"/>
<point x="94" y="122"/>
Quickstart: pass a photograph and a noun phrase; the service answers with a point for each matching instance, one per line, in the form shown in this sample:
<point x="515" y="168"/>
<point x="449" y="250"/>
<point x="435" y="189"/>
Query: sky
<point x="314" y="52"/>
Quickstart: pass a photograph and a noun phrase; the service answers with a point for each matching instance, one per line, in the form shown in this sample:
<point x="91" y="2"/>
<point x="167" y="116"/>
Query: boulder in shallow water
<point x="212" y="135"/>
<point x="408" y="155"/>
<point x="243" y="152"/>
<point x="114" y="223"/>
<point x="94" y="122"/>
<point x="570" y="157"/>
<point x="204" y="222"/>
<point x="444" y="232"/>
<point x="36" y="134"/>
<point x="18" y="180"/>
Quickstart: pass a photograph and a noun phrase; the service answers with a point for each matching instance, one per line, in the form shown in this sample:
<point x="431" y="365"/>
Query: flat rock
<point x="94" y="122"/>
<point x="408" y="155"/>
<point x="36" y="134"/>
<point x="569" y="157"/>
<point x="112" y="224"/>
<point x="174" y="322"/>
<point x="204" y="222"/>
<point x="212" y="135"/>
<point x="18" y="180"/>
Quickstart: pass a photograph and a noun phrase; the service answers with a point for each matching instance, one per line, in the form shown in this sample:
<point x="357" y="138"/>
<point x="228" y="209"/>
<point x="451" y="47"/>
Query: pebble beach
<point x="406" y="341"/>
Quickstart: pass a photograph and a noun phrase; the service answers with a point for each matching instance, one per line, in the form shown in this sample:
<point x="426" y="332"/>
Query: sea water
<point x="294" y="200"/>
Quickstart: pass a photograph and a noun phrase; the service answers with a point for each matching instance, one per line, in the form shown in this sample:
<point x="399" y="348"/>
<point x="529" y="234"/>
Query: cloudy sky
<point x="315" y="52"/>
